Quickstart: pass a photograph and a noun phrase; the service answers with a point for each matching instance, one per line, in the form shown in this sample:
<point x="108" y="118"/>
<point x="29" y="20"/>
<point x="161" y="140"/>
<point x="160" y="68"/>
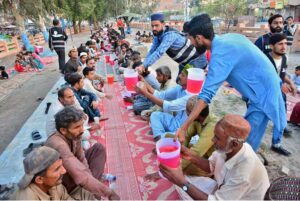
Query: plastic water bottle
<point x="194" y="139"/>
<point x="112" y="185"/>
<point x="109" y="177"/>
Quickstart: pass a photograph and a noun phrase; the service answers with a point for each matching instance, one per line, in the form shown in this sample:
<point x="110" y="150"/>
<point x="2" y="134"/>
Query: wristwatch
<point x="186" y="186"/>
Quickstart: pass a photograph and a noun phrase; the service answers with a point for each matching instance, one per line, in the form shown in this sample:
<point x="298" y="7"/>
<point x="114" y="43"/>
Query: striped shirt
<point x="290" y="32"/>
<point x="168" y="40"/>
<point x="57" y="38"/>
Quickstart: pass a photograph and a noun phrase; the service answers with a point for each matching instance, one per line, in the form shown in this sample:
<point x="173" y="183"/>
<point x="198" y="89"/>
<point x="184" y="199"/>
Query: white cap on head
<point x="83" y="54"/>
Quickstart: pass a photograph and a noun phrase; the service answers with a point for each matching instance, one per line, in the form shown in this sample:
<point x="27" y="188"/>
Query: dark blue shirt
<point x="82" y="92"/>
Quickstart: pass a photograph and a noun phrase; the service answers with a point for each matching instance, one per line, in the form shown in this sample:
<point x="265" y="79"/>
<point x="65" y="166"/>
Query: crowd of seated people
<point x="217" y="162"/>
<point x="68" y="167"/>
<point x="27" y="61"/>
<point x="146" y="38"/>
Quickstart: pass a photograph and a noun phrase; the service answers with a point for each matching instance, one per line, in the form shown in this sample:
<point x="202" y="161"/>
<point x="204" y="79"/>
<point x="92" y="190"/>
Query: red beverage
<point x="194" y="86"/>
<point x="130" y="83"/>
<point x="112" y="63"/>
<point x="110" y="79"/>
<point x="172" y="162"/>
<point x="107" y="58"/>
<point x="166" y="149"/>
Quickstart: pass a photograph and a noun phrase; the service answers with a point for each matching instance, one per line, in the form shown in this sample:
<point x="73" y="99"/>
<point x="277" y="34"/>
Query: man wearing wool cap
<point x="237" y="171"/>
<point x="43" y="177"/>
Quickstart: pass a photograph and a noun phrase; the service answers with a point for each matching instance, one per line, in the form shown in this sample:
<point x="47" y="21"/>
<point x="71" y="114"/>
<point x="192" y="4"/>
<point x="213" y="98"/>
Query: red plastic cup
<point x="195" y="80"/>
<point x="107" y="58"/>
<point x="131" y="79"/>
<point x="112" y="63"/>
<point x="110" y="79"/>
<point x="168" y="153"/>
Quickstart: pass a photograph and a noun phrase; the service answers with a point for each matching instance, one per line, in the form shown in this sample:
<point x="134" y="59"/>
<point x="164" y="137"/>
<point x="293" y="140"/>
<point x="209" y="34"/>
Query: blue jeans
<point x="88" y="109"/>
<point x="162" y="123"/>
<point x="128" y="31"/>
<point x="258" y="121"/>
<point x="141" y="103"/>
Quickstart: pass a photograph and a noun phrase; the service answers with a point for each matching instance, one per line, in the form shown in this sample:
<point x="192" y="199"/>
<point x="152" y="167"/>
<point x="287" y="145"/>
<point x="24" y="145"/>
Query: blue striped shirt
<point x="161" y="44"/>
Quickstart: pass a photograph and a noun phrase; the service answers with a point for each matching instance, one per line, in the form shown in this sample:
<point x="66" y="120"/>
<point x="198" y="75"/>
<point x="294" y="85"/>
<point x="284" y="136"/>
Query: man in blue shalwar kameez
<point x="238" y="61"/>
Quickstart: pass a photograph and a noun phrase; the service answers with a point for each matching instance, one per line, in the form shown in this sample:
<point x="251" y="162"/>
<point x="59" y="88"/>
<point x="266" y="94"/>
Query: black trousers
<point x="122" y="32"/>
<point x="61" y="59"/>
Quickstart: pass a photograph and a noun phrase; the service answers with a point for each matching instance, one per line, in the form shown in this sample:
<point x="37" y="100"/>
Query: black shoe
<point x="287" y="132"/>
<point x="281" y="150"/>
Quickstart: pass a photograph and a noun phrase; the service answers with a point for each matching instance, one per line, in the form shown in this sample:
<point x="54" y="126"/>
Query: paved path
<point x="18" y="95"/>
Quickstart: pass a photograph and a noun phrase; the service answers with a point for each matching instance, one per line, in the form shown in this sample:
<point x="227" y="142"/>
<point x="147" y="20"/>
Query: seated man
<point x="82" y="59"/>
<point x="72" y="65"/>
<point x="172" y="101"/>
<point x="66" y="98"/>
<point x="86" y="99"/>
<point x="89" y="75"/>
<point x="126" y="61"/>
<point x="135" y="60"/>
<point x="140" y="102"/>
<point x="122" y="53"/>
<point x="238" y="172"/>
<point x="296" y="78"/>
<point x="89" y="45"/>
<point x="91" y="63"/>
<point x="137" y="35"/>
<point x="84" y="170"/>
<point x="43" y="177"/>
<point x="295" y="116"/>
<point x="143" y="37"/>
<point x="203" y="128"/>
<point x="164" y="77"/>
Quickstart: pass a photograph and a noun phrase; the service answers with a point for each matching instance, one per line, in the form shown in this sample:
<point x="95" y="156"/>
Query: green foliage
<point x="226" y="9"/>
<point x="77" y="10"/>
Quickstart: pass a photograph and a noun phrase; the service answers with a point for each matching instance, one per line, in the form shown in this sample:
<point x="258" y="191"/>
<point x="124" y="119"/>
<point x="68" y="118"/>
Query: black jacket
<point x="57" y="38"/>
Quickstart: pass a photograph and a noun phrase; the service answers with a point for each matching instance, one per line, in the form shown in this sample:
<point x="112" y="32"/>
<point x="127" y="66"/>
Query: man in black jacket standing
<point x="57" y="38"/>
<point x="278" y="46"/>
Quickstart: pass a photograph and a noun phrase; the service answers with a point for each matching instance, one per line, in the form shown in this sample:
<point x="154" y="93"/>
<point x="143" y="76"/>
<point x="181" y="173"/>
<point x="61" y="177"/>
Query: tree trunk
<point x="74" y="26"/>
<point x="228" y="26"/>
<point x="21" y="25"/>
<point x="95" y="22"/>
<point x="98" y="25"/>
<point x="43" y="27"/>
<point x="19" y="19"/>
<point x="79" y="26"/>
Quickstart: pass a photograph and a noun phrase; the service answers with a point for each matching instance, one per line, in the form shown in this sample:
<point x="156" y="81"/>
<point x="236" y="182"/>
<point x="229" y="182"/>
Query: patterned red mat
<point x="291" y="102"/>
<point x="129" y="147"/>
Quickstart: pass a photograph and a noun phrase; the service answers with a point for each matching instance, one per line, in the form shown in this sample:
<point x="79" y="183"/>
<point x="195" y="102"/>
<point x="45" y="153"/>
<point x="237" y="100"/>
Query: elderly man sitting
<point x="172" y="100"/>
<point x="43" y="177"/>
<point x="238" y="172"/>
<point x="202" y="145"/>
